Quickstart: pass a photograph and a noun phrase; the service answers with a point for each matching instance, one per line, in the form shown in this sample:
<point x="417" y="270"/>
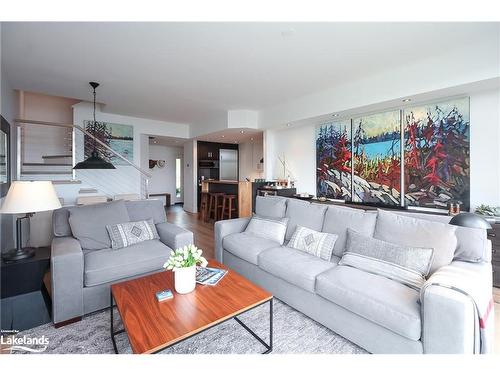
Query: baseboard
<point x="66" y="322"/>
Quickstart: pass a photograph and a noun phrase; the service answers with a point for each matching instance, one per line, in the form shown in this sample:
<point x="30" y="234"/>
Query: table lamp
<point x="27" y="197"/>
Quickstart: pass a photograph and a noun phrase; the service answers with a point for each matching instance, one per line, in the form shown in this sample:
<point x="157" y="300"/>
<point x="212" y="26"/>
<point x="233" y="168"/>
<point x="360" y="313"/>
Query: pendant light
<point x="94" y="161"/>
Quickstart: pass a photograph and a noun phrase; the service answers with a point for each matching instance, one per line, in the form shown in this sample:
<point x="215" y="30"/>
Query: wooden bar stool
<point x="215" y="206"/>
<point x="204" y="206"/>
<point x="228" y="206"/>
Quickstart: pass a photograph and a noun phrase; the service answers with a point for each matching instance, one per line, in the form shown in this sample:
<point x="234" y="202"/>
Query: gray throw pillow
<point x="127" y="234"/>
<point x="405" y="264"/>
<point x="270" y="206"/>
<point x="88" y="223"/>
<point x="313" y="242"/>
<point x="266" y="227"/>
<point x="410" y="231"/>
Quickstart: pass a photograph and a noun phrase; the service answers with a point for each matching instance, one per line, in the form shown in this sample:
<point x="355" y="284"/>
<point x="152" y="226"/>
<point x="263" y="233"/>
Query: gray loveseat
<point x="378" y="314"/>
<point x="83" y="270"/>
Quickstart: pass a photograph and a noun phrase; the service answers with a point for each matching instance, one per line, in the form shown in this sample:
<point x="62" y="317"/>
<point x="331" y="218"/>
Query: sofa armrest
<point x="66" y="264"/>
<point x="449" y="313"/>
<point x="226" y="227"/>
<point x="174" y="236"/>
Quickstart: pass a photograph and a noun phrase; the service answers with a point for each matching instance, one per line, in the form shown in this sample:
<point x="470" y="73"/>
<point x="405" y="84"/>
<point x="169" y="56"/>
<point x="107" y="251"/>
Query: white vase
<point x="185" y="279"/>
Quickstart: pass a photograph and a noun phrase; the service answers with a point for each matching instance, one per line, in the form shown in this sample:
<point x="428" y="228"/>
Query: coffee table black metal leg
<point x="269" y="347"/>
<point x="113" y="333"/>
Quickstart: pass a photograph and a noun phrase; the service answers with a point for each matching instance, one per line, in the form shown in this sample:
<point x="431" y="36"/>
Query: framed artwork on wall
<point x="5" y="170"/>
<point x="412" y="157"/>
<point x="333" y="160"/>
<point x="437" y="154"/>
<point x="117" y="136"/>
<point x="377" y="159"/>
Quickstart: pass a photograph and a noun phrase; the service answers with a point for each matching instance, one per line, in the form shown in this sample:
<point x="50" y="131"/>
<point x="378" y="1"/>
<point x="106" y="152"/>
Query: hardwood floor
<point x="203" y="232"/>
<point x="204" y="239"/>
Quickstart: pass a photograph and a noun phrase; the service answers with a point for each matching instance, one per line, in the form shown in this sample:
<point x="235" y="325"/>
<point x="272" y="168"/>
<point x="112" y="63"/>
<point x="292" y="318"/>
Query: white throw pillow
<point x="127" y="234"/>
<point x="409" y="231"/>
<point x="266" y="227"/>
<point x="313" y="242"/>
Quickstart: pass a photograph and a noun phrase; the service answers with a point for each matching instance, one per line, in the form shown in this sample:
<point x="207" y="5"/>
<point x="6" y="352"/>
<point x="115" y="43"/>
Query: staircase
<point x="46" y="154"/>
<point x="49" y="150"/>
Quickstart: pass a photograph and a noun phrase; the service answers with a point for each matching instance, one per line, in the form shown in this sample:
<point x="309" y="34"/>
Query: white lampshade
<point x="30" y="196"/>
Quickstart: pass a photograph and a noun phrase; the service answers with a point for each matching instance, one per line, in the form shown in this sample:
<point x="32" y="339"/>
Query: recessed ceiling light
<point x="288" y="124"/>
<point x="242" y="131"/>
<point x="335" y="115"/>
<point x="223" y="136"/>
<point x="406" y="100"/>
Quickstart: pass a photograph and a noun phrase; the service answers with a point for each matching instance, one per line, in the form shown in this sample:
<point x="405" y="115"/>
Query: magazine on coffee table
<point x="209" y="276"/>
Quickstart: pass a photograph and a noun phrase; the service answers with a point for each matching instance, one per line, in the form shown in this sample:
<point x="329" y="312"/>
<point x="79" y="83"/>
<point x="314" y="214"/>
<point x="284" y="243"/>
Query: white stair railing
<point x="111" y="182"/>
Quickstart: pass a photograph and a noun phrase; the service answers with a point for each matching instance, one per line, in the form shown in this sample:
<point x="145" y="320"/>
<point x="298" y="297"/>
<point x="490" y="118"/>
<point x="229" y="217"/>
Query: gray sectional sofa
<point x="83" y="269"/>
<point x="377" y="313"/>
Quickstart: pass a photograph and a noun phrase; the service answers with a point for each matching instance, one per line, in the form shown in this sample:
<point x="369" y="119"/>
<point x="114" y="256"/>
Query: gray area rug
<point x="293" y="333"/>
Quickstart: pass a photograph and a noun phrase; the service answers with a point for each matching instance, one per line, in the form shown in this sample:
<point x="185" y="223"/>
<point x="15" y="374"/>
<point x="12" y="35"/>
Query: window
<point x="178" y="167"/>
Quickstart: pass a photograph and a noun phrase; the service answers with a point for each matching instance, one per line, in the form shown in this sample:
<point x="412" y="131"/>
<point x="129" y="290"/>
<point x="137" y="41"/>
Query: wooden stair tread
<point x="48" y="165"/>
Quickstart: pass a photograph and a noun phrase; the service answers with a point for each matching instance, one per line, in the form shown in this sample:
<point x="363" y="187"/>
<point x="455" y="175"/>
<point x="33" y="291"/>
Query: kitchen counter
<point x="223" y="182"/>
<point x="242" y="189"/>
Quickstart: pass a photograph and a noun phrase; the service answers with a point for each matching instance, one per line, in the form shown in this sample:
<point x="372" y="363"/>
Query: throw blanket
<point x="463" y="278"/>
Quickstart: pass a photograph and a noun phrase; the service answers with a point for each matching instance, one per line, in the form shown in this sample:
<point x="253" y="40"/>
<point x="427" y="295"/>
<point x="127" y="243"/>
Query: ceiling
<point x="233" y="136"/>
<point x="241" y="135"/>
<point x="189" y="72"/>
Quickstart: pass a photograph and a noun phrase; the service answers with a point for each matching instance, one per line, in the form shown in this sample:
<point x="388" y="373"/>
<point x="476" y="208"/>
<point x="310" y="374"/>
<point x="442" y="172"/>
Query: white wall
<point x="9" y="111"/>
<point x="163" y="179"/>
<point x="250" y="154"/>
<point x="485" y="148"/>
<point x="190" y="177"/>
<point x="298" y="146"/>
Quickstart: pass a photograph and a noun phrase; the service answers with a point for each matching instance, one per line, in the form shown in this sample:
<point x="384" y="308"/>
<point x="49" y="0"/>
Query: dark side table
<point x="25" y="275"/>
<point x="25" y="301"/>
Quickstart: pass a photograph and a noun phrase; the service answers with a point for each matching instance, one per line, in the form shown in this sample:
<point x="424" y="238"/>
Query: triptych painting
<point x="414" y="157"/>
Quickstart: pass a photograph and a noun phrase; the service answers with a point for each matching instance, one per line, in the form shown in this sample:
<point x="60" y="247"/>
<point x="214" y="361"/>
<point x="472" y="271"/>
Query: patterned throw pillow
<point x="315" y="243"/>
<point x="266" y="227"/>
<point x="406" y="264"/>
<point x="126" y="234"/>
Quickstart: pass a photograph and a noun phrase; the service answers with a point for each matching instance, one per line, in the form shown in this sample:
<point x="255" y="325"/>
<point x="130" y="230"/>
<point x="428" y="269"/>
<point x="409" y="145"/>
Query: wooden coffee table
<point x="153" y="326"/>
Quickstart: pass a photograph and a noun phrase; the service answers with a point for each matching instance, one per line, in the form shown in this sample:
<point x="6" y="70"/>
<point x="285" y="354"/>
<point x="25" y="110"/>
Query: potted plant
<point x="183" y="262"/>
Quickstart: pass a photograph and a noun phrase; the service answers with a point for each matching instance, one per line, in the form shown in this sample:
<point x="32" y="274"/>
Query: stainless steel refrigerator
<point x="228" y="165"/>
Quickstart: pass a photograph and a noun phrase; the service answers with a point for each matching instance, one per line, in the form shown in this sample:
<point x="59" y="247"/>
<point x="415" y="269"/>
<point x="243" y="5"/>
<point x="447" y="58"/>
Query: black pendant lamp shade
<point x="94" y="161"/>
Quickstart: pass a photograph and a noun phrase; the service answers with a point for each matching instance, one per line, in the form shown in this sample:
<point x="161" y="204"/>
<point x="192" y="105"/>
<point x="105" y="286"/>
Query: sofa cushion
<point x="247" y="246"/>
<point x="60" y="222"/>
<point x="294" y="266"/>
<point x="338" y="219"/>
<point x="405" y="264"/>
<point x="146" y="209"/>
<point x="273" y="229"/>
<point x="88" y="223"/>
<point x="410" y="231"/>
<point x="376" y="298"/>
<point x="471" y="242"/>
<point x="270" y="206"/>
<point x="304" y="213"/>
<point x="107" y="265"/>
